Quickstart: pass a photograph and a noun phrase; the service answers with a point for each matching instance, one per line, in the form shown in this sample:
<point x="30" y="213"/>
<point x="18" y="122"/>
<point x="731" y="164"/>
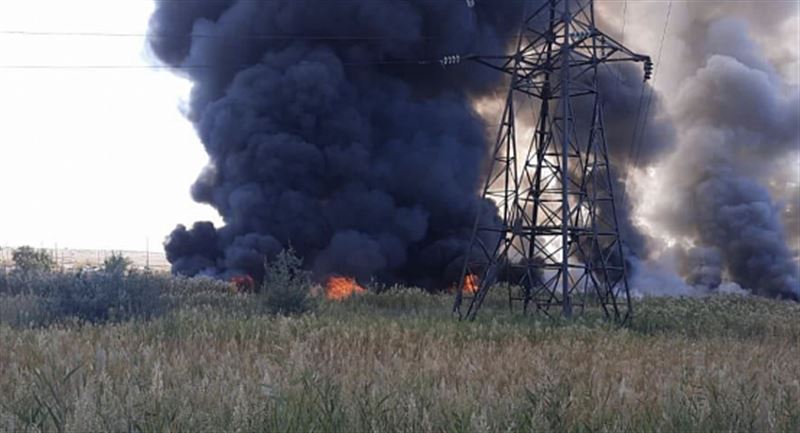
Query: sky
<point x="91" y="158"/>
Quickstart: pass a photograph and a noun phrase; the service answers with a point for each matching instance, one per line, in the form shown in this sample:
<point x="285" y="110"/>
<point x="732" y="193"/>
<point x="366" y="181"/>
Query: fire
<point x="341" y="288"/>
<point x="471" y="283"/>
<point x="242" y="283"/>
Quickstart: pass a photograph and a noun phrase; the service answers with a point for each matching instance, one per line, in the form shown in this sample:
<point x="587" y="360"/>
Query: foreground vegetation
<point x="205" y="359"/>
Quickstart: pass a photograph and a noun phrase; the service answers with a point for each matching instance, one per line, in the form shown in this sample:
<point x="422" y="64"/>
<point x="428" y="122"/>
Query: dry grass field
<point x="398" y="362"/>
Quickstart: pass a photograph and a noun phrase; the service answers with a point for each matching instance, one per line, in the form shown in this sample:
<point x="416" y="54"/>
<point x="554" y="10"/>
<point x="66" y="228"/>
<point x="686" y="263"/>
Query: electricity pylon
<point x="556" y="237"/>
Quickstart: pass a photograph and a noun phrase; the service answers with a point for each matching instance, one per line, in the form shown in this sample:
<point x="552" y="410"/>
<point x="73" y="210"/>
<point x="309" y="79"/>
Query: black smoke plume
<point x="325" y="134"/>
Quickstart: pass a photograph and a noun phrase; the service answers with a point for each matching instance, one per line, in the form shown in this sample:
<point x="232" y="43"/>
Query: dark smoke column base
<point x="559" y="239"/>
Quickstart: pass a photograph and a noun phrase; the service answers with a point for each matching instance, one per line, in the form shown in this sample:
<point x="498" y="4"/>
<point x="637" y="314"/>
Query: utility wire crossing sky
<point x="89" y="154"/>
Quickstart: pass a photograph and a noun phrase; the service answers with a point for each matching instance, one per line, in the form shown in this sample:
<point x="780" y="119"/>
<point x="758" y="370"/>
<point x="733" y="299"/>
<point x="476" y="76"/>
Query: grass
<point x="398" y="361"/>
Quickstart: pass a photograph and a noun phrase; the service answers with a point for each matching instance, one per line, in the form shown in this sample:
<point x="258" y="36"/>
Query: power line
<point x="636" y="146"/>
<point x="622" y="39"/>
<point x="207" y="36"/>
<point x="33" y="33"/>
<point x="655" y="77"/>
<point x="192" y="67"/>
<point x="624" y="16"/>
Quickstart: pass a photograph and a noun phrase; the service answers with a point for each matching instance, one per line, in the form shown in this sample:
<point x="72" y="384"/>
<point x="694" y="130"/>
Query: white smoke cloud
<point x="727" y="196"/>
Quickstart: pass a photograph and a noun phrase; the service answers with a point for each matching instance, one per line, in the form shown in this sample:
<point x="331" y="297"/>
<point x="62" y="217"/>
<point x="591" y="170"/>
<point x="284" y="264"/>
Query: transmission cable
<point x="266" y="36"/>
<point x="615" y="72"/>
<point x="652" y="87"/>
<point x="636" y="146"/>
<point x="192" y="67"/>
<point x="624" y="15"/>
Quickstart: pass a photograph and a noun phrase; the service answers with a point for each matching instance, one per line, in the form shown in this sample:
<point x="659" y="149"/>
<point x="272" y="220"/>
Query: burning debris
<point x="471" y="284"/>
<point x="341" y="288"/>
<point x="243" y="283"/>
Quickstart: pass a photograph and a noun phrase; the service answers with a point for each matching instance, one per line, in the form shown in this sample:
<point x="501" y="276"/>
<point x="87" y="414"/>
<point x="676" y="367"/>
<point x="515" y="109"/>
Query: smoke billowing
<point x="724" y="197"/>
<point x="325" y="135"/>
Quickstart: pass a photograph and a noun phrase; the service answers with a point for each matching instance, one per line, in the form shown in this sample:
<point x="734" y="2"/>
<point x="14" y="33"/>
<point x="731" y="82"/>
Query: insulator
<point x="648" y="69"/>
<point x="450" y="60"/>
<point x="581" y="35"/>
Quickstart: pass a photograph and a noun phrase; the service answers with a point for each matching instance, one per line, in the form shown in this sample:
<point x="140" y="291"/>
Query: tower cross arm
<point x="607" y="49"/>
<point x="587" y="48"/>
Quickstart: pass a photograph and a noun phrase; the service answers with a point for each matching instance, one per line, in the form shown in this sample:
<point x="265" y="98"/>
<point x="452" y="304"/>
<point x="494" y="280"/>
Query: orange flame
<point x="341" y="288"/>
<point x="242" y="284"/>
<point x="471" y="283"/>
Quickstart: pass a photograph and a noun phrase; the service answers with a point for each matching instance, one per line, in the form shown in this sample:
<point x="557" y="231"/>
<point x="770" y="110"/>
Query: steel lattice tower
<point x="556" y="237"/>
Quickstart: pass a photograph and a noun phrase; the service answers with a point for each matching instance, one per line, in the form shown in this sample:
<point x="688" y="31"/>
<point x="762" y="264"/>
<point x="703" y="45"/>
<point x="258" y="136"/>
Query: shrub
<point x="103" y="297"/>
<point x="7" y="283"/>
<point x="22" y="310"/>
<point x="17" y="282"/>
<point x="28" y="259"/>
<point x="287" y="287"/>
<point x="117" y="263"/>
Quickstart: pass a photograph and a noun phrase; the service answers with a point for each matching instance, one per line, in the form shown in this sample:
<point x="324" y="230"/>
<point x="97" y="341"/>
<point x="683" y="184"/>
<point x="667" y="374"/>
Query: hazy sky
<point x="91" y="158"/>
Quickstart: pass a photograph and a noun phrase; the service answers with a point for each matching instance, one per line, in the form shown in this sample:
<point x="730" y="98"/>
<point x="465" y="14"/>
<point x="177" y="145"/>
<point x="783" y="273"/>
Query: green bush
<point x="42" y="298"/>
<point x="22" y="311"/>
<point x="28" y="259"/>
<point x="7" y="283"/>
<point x="102" y="297"/>
<point x="287" y="287"/>
<point x="17" y="282"/>
<point x="117" y="263"/>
